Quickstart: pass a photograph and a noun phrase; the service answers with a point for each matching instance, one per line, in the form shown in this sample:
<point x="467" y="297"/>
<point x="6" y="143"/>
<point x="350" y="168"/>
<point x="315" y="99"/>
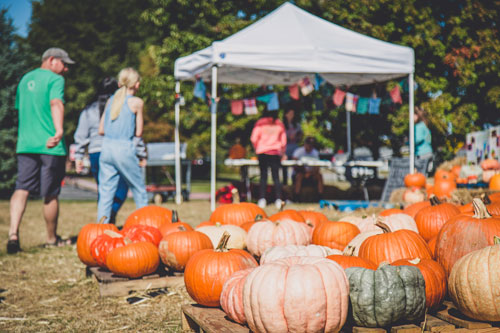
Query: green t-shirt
<point x="34" y="93"/>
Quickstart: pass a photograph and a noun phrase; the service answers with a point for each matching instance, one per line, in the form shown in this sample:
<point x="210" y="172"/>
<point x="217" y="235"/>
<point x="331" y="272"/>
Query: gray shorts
<point x="40" y="174"/>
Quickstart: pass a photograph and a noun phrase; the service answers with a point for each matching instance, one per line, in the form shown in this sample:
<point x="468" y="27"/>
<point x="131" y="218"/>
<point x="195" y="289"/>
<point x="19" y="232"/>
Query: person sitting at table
<point x="307" y="173"/>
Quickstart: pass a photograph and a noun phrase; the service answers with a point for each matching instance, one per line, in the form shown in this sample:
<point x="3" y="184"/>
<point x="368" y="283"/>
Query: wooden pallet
<point x="113" y="285"/>
<point x="197" y="318"/>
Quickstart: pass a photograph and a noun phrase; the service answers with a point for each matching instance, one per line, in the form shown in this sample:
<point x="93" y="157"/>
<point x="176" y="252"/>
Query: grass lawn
<point x="46" y="290"/>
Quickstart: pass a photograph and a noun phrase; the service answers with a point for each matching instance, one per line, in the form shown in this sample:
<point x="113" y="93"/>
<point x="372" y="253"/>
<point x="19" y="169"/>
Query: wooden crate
<point x="197" y="318"/>
<point x="113" y="285"/>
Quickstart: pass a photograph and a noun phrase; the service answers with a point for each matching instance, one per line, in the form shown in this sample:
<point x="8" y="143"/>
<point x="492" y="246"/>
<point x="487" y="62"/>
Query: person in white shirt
<point x="310" y="173"/>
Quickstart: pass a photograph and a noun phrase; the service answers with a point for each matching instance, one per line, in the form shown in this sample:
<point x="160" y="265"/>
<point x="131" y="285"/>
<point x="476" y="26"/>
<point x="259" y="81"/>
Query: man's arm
<point x="57" y="111"/>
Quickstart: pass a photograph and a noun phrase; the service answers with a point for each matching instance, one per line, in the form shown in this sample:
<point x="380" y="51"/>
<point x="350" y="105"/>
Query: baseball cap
<point x="57" y="53"/>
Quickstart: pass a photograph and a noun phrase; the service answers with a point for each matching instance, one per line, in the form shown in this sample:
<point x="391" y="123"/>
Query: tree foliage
<point x="13" y="64"/>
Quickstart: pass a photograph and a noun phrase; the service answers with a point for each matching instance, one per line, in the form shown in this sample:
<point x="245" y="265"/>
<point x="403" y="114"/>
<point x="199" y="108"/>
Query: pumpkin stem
<point x="222" y="246"/>
<point x="112" y="234"/>
<point x="175" y="216"/>
<point x="101" y="221"/>
<point x="258" y="217"/>
<point x="486" y="199"/>
<point x="349" y="251"/>
<point x="236" y="195"/>
<point x="480" y="211"/>
<point x="496" y="240"/>
<point x="385" y="228"/>
<point x="415" y="261"/>
<point x="435" y="201"/>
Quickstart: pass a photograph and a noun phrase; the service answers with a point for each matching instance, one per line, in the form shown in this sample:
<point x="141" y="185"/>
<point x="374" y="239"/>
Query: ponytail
<point x="127" y="78"/>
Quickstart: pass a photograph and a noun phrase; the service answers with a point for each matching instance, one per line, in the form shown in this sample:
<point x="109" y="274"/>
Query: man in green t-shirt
<point x="41" y="151"/>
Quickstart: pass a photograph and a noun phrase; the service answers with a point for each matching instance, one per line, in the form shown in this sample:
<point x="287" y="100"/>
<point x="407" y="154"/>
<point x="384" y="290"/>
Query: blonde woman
<point x="121" y="122"/>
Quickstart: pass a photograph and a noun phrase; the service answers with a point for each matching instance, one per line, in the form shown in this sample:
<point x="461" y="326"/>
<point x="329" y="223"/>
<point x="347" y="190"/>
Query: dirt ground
<point x="47" y="290"/>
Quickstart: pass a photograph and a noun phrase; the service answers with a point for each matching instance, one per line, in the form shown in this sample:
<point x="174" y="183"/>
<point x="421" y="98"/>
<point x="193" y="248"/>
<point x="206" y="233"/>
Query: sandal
<point x="58" y="243"/>
<point x="13" y="246"/>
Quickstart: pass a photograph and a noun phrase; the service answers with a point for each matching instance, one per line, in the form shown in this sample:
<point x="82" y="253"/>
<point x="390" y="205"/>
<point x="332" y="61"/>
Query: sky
<point x="20" y="12"/>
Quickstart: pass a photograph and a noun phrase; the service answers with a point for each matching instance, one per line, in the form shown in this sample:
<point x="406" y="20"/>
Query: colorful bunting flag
<point x="284" y="97"/>
<point x="362" y="106"/>
<point x="264" y="98"/>
<point x="318" y="81"/>
<point x="396" y="95"/>
<point x="273" y="103"/>
<point x="306" y="86"/>
<point x="374" y="106"/>
<point x="237" y="107"/>
<point x="351" y="101"/>
<point x="199" y="89"/>
<point x="294" y="91"/>
<point x="250" y="106"/>
<point x="338" y="97"/>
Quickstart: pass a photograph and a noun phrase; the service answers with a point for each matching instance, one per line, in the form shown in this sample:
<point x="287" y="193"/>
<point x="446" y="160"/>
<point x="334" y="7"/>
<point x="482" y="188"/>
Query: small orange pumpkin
<point x="494" y="183"/>
<point x="86" y="236"/>
<point x="443" y="188"/>
<point x="416" y="179"/>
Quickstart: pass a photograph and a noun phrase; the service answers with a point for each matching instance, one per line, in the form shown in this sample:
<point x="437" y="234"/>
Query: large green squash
<point x="389" y="295"/>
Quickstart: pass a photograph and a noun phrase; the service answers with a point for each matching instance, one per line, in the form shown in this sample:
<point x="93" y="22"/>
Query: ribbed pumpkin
<point x="175" y="249"/>
<point x="434" y="276"/>
<point x="151" y="215"/>
<point x="105" y="243"/>
<point x="494" y="183"/>
<point x="364" y="223"/>
<point x="215" y="232"/>
<point x="168" y="228"/>
<point x="143" y="233"/>
<point x="280" y="252"/>
<point x="335" y="235"/>
<point x="231" y="297"/>
<point x="429" y="220"/>
<point x="236" y="213"/>
<point x="390" y="211"/>
<point x="287" y="214"/>
<point x="432" y="246"/>
<point x="474" y="283"/>
<point x="204" y="224"/>
<point x="134" y="259"/>
<point x="313" y="218"/>
<point x="208" y="270"/>
<point x="413" y="209"/>
<point x="444" y="188"/>
<point x="463" y="234"/>
<point x="442" y="174"/>
<point x="395" y="221"/>
<point x="86" y="236"/>
<point x="352" y="249"/>
<point x="416" y="179"/>
<point x="351" y="261"/>
<point x="266" y="234"/>
<point x="387" y="295"/>
<point x="391" y="246"/>
<point x="296" y="294"/>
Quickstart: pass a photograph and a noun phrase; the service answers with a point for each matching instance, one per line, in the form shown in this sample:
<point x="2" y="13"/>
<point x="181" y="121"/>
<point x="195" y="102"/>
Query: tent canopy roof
<point x="289" y="43"/>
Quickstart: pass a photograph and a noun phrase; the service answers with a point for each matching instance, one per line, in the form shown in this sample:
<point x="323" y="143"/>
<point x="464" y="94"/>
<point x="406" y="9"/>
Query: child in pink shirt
<point x="269" y="141"/>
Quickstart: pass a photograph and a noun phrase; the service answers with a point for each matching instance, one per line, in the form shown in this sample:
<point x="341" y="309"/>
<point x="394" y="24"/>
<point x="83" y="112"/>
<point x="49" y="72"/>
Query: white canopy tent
<point x="283" y="47"/>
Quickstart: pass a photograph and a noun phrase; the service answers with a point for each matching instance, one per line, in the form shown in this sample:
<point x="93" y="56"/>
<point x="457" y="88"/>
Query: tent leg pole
<point x="412" y="123"/>
<point x="178" y="171"/>
<point x="348" y="120"/>
<point x="213" y="138"/>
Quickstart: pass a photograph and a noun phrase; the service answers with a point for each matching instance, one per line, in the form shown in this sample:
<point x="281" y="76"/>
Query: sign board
<point x="478" y="147"/>
<point x="398" y="169"/>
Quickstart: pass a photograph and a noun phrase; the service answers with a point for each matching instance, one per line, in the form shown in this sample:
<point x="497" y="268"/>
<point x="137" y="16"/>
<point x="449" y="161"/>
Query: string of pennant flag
<point x="352" y="102"/>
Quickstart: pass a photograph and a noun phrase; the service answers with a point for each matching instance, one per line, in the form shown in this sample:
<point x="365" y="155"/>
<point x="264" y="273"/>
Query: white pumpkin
<point x="214" y="232"/>
<point x="352" y="249"/>
<point x="279" y="252"/>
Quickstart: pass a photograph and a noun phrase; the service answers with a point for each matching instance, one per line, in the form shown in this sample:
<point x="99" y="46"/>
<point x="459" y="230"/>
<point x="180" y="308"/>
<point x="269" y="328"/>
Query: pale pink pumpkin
<point x="296" y="294"/>
<point x="231" y="298"/>
<point x="280" y="252"/>
<point x="264" y="235"/>
<point x="364" y="223"/>
<point x="394" y="221"/>
<point x="352" y="249"/>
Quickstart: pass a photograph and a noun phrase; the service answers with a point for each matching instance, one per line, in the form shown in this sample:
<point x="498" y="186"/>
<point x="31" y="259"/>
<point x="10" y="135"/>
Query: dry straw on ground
<point x="47" y="290"/>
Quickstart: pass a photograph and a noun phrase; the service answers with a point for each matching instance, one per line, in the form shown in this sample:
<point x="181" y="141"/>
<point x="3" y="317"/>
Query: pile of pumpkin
<point x="298" y="271"/>
<point x="445" y="181"/>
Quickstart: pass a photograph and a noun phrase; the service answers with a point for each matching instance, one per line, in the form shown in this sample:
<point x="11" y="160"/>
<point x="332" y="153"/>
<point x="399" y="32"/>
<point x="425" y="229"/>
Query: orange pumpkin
<point x="335" y="235"/>
<point x="456" y="170"/>
<point x="443" y="188"/>
<point x="204" y="224"/>
<point x="237" y="151"/>
<point x="236" y="213"/>
<point x="290" y="214"/>
<point x="463" y="234"/>
<point x="390" y="211"/>
<point x="168" y="228"/>
<point x="494" y="183"/>
<point x="175" y="249"/>
<point x="432" y="246"/>
<point x="86" y="236"/>
<point x="133" y="260"/>
<point x="207" y="271"/>
<point x="416" y="179"/>
<point x="434" y="276"/>
<point x="413" y="209"/>
<point x="351" y="261"/>
<point x="313" y="218"/>
<point x="154" y="216"/>
<point x="442" y="174"/>
<point x="391" y="246"/>
<point x="105" y="243"/>
<point x="430" y="219"/>
<point x="143" y="233"/>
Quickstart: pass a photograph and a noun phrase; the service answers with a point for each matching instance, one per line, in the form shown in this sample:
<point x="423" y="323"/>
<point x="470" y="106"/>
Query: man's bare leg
<point x="18" y="203"/>
<point x="51" y="214"/>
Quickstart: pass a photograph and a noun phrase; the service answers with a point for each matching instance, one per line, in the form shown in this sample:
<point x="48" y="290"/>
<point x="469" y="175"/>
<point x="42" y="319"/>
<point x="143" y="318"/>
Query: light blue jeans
<point x="118" y="159"/>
